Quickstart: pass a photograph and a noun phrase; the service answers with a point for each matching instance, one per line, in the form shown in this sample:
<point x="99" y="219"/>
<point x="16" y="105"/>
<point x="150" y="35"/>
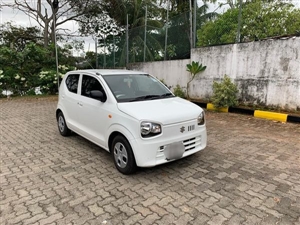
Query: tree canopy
<point x="260" y="19"/>
<point x="23" y="57"/>
<point x="45" y="12"/>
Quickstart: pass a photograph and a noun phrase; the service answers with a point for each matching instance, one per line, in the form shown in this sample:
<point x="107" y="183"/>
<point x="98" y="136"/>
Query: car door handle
<point x="79" y="103"/>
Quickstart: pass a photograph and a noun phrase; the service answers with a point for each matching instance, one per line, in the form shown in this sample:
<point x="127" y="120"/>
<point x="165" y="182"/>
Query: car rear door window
<point x="72" y="82"/>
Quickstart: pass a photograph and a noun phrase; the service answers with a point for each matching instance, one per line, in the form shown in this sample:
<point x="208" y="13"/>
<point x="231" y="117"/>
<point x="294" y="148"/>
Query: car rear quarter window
<point x="72" y="82"/>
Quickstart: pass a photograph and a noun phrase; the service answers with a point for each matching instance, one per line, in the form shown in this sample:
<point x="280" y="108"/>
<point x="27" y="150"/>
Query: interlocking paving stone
<point x="248" y="174"/>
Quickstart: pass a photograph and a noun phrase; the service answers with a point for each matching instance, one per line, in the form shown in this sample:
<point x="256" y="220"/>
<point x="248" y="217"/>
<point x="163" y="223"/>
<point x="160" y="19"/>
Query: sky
<point x="20" y="19"/>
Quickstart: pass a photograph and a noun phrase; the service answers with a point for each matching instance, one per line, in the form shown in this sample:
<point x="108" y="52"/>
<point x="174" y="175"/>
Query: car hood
<point x="165" y="111"/>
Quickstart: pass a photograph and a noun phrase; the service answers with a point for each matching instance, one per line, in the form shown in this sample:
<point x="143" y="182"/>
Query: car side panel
<point x="68" y="104"/>
<point x="93" y="117"/>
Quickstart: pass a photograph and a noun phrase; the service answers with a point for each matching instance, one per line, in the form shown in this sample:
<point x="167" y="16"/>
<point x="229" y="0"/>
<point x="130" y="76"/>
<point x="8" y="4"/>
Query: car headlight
<point x="149" y="129"/>
<point x="201" y="118"/>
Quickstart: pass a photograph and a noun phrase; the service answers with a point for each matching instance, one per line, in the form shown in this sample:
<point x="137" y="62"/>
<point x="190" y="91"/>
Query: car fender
<point x="121" y="129"/>
<point x="62" y="109"/>
<point x="66" y="116"/>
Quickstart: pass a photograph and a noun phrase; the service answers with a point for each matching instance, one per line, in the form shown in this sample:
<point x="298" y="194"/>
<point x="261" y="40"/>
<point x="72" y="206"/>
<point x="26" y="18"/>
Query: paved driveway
<point x="248" y="174"/>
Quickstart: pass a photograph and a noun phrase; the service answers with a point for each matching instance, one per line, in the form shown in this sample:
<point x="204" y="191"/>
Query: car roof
<point x="109" y="71"/>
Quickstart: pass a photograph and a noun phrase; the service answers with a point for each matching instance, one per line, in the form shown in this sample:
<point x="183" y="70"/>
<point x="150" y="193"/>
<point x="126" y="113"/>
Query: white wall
<point x="267" y="72"/>
<point x="172" y="72"/>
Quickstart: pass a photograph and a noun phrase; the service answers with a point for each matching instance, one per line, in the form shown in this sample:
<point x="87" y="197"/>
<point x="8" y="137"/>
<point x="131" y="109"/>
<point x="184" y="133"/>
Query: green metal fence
<point x="147" y="43"/>
<point x="241" y="21"/>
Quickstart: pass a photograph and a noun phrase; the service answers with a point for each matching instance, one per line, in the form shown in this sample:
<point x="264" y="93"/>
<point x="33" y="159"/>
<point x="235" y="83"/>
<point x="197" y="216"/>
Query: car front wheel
<point x="123" y="156"/>
<point x="62" y="125"/>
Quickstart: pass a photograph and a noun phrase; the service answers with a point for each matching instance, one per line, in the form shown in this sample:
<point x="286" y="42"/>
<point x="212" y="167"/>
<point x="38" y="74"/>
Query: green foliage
<point x="224" y="93"/>
<point x="194" y="68"/>
<point x="171" y="51"/>
<point x="179" y="27"/>
<point x="178" y="35"/>
<point x="110" y="28"/>
<point x="48" y="79"/>
<point x="269" y="19"/>
<point x="113" y="23"/>
<point x="17" y="37"/>
<point x="178" y="91"/>
<point x="135" y="9"/>
<point x="203" y="16"/>
<point x="260" y="19"/>
<point x="20" y="69"/>
<point x="222" y="30"/>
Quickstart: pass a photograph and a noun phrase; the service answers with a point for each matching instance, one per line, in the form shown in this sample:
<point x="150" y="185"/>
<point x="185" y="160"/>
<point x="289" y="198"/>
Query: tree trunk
<point x="46" y="35"/>
<point x="187" y="89"/>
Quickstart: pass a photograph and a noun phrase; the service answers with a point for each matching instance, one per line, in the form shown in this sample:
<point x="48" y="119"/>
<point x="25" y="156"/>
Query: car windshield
<point x="136" y="87"/>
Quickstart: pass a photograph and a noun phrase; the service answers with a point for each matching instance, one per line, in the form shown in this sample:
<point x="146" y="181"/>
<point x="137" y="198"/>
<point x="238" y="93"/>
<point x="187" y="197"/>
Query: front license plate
<point x="174" y="151"/>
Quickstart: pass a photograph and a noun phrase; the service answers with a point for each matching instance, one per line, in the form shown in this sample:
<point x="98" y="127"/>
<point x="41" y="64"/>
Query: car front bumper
<point x="156" y="150"/>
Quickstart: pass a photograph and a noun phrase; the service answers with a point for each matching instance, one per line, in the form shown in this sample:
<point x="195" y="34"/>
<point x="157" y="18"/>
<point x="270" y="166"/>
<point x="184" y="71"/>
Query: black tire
<point x="123" y="156"/>
<point x="62" y="125"/>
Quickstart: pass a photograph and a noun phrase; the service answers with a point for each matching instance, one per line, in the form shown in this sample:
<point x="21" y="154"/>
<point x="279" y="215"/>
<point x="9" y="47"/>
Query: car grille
<point x="189" y="144"/>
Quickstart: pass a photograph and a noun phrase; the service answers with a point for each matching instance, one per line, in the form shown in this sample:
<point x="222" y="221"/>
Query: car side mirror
<point x="99" y="95"/>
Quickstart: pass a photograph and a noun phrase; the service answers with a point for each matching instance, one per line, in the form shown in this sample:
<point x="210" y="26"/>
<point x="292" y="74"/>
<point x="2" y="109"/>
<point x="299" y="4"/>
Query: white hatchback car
<point x="130" y="114"/>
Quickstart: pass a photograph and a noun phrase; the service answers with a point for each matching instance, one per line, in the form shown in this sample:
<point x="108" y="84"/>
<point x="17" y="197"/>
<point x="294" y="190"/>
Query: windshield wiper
<point x="145" y="97"/>
<point x="167" y="95"/>
<point x="150" y="97"/>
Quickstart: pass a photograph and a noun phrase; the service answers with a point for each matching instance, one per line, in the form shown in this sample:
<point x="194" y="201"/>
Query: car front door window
<point x="90" y="84"/>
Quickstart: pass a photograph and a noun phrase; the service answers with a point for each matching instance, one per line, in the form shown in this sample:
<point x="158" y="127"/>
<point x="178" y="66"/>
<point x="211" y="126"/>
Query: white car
<point x="130" y="114"/>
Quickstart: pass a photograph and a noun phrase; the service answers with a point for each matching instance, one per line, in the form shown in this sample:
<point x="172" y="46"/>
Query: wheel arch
<point x="57" y="112"/>
<point x="116" y="130"/>
<point x="112" y="137"/>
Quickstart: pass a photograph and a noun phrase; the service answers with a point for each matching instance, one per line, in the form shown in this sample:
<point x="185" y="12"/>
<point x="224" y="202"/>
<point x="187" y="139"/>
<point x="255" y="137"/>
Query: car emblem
<point x="182" y="129"/>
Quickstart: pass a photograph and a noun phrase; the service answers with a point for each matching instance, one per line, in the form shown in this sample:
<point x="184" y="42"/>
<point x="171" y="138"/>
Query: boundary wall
<point x="266" y="72"/>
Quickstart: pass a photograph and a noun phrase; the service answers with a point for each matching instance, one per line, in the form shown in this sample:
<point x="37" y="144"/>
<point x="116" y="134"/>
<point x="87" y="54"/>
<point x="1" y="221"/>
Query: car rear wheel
<point x="62" y="125"/>
<point x="123" y="156"/>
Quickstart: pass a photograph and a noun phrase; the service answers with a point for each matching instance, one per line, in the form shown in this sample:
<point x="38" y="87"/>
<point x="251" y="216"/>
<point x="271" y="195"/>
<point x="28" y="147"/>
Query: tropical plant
<point x="194" y="68"/>
<point x="224" y="93"/>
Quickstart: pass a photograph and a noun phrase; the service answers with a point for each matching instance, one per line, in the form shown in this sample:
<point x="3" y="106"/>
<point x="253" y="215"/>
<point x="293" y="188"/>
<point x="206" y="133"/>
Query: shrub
<point x="179" y="92"/>
<point x="22" y="71"/>
<point x="224" y="93"/>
